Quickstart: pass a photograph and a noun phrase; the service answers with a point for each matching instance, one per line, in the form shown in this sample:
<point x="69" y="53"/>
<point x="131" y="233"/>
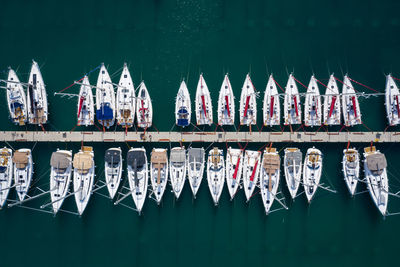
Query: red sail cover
<point x="295" y="105"/>
<point x="246" y="106"/>
<point x="204" y="106"/>
<point x="353" y="99"/>
<point x="80" y="105"/>
<point x="227" y="106"/>
<point x="398" y="108"/>
<point x="236" y="168"/>
<point x="254" y="171"/>
<point x="271" y="107"/>
<point x="332" y="106"/>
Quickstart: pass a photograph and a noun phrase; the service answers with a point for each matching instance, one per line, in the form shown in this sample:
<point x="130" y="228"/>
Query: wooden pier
<point x="209" y="137"/>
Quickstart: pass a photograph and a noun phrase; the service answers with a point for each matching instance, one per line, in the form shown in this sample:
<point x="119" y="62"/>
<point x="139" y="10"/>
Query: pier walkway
<point x="258" y="137"/>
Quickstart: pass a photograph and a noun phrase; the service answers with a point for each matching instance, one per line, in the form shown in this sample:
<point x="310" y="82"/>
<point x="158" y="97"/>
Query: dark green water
<point x="165" y="41"/>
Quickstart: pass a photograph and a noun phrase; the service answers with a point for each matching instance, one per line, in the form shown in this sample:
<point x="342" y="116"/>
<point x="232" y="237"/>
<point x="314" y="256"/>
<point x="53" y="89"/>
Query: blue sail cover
<point x="182" y="117"/>
<point x="105" y="112"/>
<point x="15" y="105"/>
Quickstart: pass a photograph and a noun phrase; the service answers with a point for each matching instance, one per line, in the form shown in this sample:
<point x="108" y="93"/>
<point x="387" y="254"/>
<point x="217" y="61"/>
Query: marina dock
<point x="209" y="137"/>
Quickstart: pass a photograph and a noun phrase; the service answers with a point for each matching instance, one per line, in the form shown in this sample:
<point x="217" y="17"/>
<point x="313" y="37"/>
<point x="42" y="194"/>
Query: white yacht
<point x="292" y="107"/>
<point x="351" y="168"/>
<point x="195" y="168"/>
<point x="269" y="177"/>
<point x="16" y="99"/>
<point x="234" y="167"/>
<point x="251" y="172"/>
<point x="248" y="103"/>
<point x="350" y="105"/>
<point x="312" y="170"/>
<point x="144" y="108"/>
<point x="177" y="168"/>
<point x="204" y="113"/>
<point x="6" y="174"/>
<point x="183" y="106"/>
<point x="138" y="176"/>
<point x="60" y="177"/>
<point x="271" y="104"/>
<point x="36" y="97"/>
<point x="85" y="104"/>
<point x="113" y="169"/>
<point x="105" y="99"/>
<point x="332" y="110"/>
<point x="392" y="104"/>
<point x="215" y="173"/>
<point x="226" y="103"/>
<point x="23" y="171"/>
<point x="292" y="165"/>
<point x="126" y="100"/>
<point x="312" y="105"/>
<point x="159" y="172"/>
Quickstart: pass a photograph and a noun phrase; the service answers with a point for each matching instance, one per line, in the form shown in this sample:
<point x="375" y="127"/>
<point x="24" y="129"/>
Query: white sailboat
<point x="215" y="173"/>
<point x="292" y="165"/>
<point x="195" y="168"/>
<point x="23" y="171"/>
<point x="204" y="113"/>
<point x="350" y="105"/>
<point x="332" y="110"/>
<point x="105" y="99"/>
<point x="177" y="168"/>
<point x="159" y="172"/>
<point x="269" y="177"/>
<point x="60" y="177"/>
<point x="126" y="101"/>
<point x="312" y="171"/>
<point x="226" y="103"/>
<point x="392" y="104"/>
<point x="292" y="108"/>
<point x="271" y="104"/>
<point x="113" y="169"/>
<point x="83" y="177"/>
<point x="251" y="172"/>
<point x="248" y="103"/>
<point x="138" y="175"/>
<point x="351" y="168"/>
<point x="183" y="106"/>
<point x="16" y="99"/>
<point x="6" y="174"/>
<point x="234" y="167"/>
<point x="85" y="104"/>
<point x="312" y="105"/>
<point x="376" y="177"/>
<point x="36" y="97"/>
<point x="144" y="108"/>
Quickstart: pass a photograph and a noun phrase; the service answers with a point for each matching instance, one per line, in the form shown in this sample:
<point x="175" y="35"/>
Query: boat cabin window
<point x="332" y="86"/>
<point x="271" y="87"/>
<point x="226" y="86"/>
<point x="102" y="71"/>
<point x="125" y="76"/>
<point x="291" y="86"/>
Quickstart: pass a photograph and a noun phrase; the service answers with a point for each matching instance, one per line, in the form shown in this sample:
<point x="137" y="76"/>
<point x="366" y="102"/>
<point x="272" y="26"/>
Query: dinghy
<point x="350" y="105"/>
<point x="292" y="165"/>
<point x="248" y="103"/>
<point x="177" y="169"/>
<point x="251" y="172"/>
<point x="36" y="97"/>
<point x="23" y="171"/>
<point x="138" y="175"/>
<point x="312" y="171"/>
<point x="204" y="113"/>
<point x="292" y="108"/>
<point x="376" y="177"/>
<point x="83" y="177"/>
<point x="16" y="99"/>
<point x="351" y="168"/>
<point x="312" y="105"/>
<point x="195" y="168"/>
<point x="183" y="107"/>
<point x="215" y="173"/>
<point x="113" y="169"/>
<point x="144" y="108"/>
<point x="269" y="177"/>
<point x="234" y="167"/>
<point x="271" y="106"/>
<point x="6" y="174"/>
<point x="126" y="101"/>
<point x="159" y="172"/>
<point x="85" y="104"/>
<point x="392" y="104"/>
<point x="60" y="177"/>
<point x="332" y="103"/>
<point x="105" y="99"/>
<point x="226" y="104"/>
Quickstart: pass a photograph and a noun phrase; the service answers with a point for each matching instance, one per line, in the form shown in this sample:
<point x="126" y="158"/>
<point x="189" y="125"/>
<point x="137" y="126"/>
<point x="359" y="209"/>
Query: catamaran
<point x="376" y="177"/>
<point x="204" y="113"/>
<point x="183" y="106"/>
<point x="226" y="104"/>
<point x="16" y="99"/>
<point x="113" y="169"/>
<point x="138" y="175"/>
<point x="126" y="101"/>
<point x="36" y="97"/>
<point x="292" y="108"/>
<point x="60" y="177"/>
<point x="105" y="99"/>
<point x="248" y="103"/>
<point x="332" y="103"/>
<point x="251" y="172"/>
<point x="83" y="177"/>
<point x="215" y="173"/>
<point x="312" y="105"/>
<point x="269" y="177"/>
<point x="6" y="172"/>
<point x="159" y="172"/>
<point x="392" y="104"/>
<point x="234" y="167"/>
<point x="271" y="104"/>
<point x="312" y="171"/>
<point x="351" y="168"/>
<point x="350" y="105"/>
<point x="144" y="108"/>
<point x="195" y="168"/>
<point x="292" y="165"/>
<point x="177" y="168"/>
<point x="85" y="104"/>
<point x="23" y="171"/>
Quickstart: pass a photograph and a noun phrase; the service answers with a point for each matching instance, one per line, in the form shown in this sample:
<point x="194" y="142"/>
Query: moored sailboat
<point x="36" y="97"/>
<point x="126" y="101"/>
<point x="105" y="99"/>
<point x="215" y="173"/>
<point x="23" y="171"/>
<point x="204" y="113"/>
<point x="183" y="106"/>
<point x="226" y="103"/>
<point x="159" y="172"/>
<point x="113" y="169"/>
<point x="292" y="165"/>
<point x="269" y="177"/>
<point x="350" y="105"/>
<point x="248" y="103"/>
<point x="332" y="111"/>
<point x="177" y="168"/>
<point x="138" y="176"/>
<point x="271" y="104"/>
<point x="312" y="105"/>
<point x="144" y="108"/>
<point x="16" y="99"/>
<point x="195" y="168"/>
<point x="234" y="167"/>
<point x="392" y="104"/>
<point x="251" y="172"/>
<point x="60" y="177"/>
<point x="292" y="108"/>
<point x="351" y="168"/>
<point x="312" y="170"/>
<point x="85" y="104"/>
<point x="6" y="174"/>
